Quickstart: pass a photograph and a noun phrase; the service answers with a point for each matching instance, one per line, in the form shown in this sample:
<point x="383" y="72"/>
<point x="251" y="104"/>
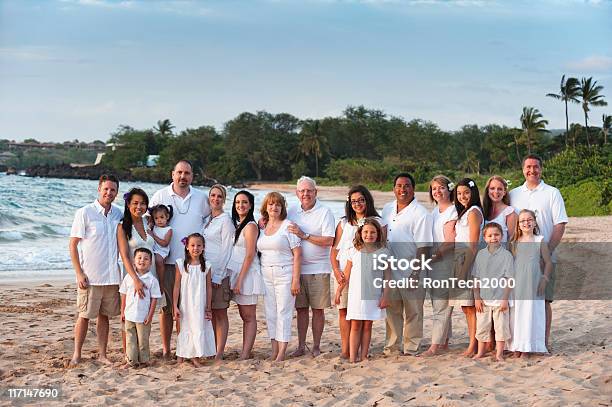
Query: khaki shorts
<point x="493" y="316"/>
<point x="221" y="295"/>
<point x="168" y="287"/>
<point x="314" y="291"/>
<point x="549" y="291"/>
<point x="98" y="299"/>
<point x="343" y="298"/>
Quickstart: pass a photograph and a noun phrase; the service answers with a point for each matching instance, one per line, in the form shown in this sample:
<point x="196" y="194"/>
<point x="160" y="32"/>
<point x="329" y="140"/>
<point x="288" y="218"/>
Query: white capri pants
<point x="278" y="301"/>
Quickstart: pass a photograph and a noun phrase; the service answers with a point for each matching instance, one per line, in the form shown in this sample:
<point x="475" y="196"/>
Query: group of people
<point x="182" y="254"/>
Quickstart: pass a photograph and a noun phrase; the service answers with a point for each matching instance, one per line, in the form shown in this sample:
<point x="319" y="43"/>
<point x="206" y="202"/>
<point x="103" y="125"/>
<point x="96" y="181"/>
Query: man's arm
<point x="556" y="236"/>
<point x="82" y="279"/>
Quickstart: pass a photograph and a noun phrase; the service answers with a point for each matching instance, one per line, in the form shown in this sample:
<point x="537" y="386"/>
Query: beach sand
<point x="37" y="341"/>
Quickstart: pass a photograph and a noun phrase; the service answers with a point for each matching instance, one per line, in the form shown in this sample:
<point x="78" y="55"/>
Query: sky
<point x="78" y="69"/>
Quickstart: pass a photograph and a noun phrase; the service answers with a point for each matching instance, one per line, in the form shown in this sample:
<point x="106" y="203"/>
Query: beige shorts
<point x="168" y="287"/>
<point x="98" y="299"/>
<point x="500" y="321"/>
<point x="343" y="298"/>
<point x="221" y="295"/>
<point x="314" y="291"/>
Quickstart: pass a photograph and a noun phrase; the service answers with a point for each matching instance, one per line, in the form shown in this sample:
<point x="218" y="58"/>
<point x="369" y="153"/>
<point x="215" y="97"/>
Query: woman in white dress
<point x="468" y="230"/>
<point x="219" y="236"/>
<point x="359" y="205"/>
<point x="281" y="257"/>
<point x="192" y="287"/>
<point x="496" y="206"/>
<point x="246" y="280"/>
<point x="529" y="322"/>
<point x="132" y="234"/>
<point x="444" y="214"/>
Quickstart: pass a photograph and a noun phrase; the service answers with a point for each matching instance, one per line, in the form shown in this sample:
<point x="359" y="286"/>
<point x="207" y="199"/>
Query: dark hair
<point x="183" y="161"/>
<point x="109" y="177"/>
<point x="166" y="208"/>
<point x="144" y="250"/>
<point x="474" y="196"/>
<point x="492" y="225"/>
<point x="358" y="242"/>
<point x="487" y="204"/>
<point x="532" y="157"/>
<point x="187" y="255"/>
<point x="277" y="198"/>
<point x="249" y="218"/>
<point x="349" y="212"/>
<point x="404" y="175"/>
<point x="126" y="223"/>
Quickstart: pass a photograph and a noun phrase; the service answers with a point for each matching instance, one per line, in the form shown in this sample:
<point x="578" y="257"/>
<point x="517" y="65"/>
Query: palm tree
<point x="164" y="127"/>
<point x="605" y="127"/>
<point x="568" y="92"/>
<point x="589" y="93"/>
<point x="532" y="124"/>
<point x="312" y="141"/>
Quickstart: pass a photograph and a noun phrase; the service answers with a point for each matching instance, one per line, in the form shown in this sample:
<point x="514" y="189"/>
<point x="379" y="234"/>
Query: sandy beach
<point x="37" y="342"/>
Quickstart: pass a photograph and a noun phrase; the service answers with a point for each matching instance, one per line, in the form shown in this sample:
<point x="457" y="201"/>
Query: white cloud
<point x="592" y="63"/>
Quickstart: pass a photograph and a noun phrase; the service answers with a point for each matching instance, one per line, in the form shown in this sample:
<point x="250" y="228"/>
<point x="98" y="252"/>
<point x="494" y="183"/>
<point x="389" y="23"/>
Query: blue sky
<point x="80" y="68"/>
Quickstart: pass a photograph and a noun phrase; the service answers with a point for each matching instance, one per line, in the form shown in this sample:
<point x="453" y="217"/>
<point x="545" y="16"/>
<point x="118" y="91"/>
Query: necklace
<point x="178" y="207"/>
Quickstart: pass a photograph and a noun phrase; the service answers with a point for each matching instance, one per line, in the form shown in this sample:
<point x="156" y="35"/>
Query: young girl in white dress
<point x="359" y="205"/>
<point x="193" y="286"/>
<point x="161" y="232"/>
<point x="529" y="325"/>
<point x="468" y="230"/>
<point x="496" y="207"/>
<point x="366" y="300"/>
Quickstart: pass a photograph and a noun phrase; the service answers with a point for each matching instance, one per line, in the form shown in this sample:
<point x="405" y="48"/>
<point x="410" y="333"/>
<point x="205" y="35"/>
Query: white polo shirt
<point x="408" y="229"/>
<point x="547" y="203"/>
<point x="98" y="234"/>
<point x="136" y="308"/>
<point x="318" y="221"/>
<point x="187" y="218"/>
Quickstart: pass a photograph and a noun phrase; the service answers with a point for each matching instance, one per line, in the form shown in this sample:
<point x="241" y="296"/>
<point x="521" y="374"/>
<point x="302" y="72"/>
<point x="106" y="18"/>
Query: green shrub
<point x="573" y="165"/>
<point x="360" y="171"/>
<point x="590" y="197"/>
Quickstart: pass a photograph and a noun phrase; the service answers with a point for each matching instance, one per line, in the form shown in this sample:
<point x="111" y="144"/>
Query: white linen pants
<point x="278" y="301"/>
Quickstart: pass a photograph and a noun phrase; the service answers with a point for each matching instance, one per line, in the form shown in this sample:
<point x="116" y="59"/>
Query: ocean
<point x="36" y="215"/>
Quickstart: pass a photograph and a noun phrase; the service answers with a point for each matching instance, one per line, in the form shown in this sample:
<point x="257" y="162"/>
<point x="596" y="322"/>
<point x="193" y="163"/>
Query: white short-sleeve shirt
<point x="98" y="233"/>
<point x="439" y="219"/>
<point x="187" y="218"/>
<point x="136" y="308"/>
<point x="219" y="240"/>
<point x="317" y="221"/>
<point x="408" y="229"/>
<point x="494" y="267"/>
<point x="276" y="250"/>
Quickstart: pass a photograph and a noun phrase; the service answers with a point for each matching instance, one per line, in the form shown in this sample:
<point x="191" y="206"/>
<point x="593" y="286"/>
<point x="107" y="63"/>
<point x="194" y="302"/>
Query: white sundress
<point x="196" y="337"/>
<point x="529" y="325"/>
<point x="363" y="296"/>
<point x="253" y="281"/>
<point x="463" y="296"/>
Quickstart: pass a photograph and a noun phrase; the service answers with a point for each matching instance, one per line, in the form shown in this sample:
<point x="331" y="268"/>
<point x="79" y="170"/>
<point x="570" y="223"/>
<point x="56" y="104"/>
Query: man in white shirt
<point x="315" y="225"/>
<point x="190" y="208"/>
<point x="547" y="203"/>
<point x="409" y="236"/>
<point x="96" y="265"/>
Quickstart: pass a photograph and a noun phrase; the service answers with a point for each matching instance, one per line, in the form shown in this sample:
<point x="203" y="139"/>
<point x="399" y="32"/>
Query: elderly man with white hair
<point x="315" y="225"/>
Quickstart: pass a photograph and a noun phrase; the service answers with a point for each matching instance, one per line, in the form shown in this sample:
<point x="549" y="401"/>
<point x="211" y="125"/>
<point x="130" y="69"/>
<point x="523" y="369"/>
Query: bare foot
<point x="218" y="362"/>
<point x="344" y="356"/>
<point x="499" y="358"/>
<point x="180" y="359"/>
<point x="105" y="360"/>
<point x="478" y="356"/>
<point x="126" y="365"/>
<point x="468" y="353"/>
<point x="73" y="362"/>
<point x="432" y="351"/>
<point x="196" y="362"/>
<point x="298" y="352"/>
<point x="316" y="352"/>
<point x="166" y="356"/>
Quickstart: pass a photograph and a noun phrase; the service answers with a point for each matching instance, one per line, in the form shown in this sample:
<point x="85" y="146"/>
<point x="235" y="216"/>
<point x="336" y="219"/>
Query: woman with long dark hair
<point x="246" y="280"/>
<point x="359" y="205"/>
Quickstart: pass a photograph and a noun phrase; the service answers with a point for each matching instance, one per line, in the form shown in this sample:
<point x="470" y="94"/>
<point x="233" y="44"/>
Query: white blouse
<point x="218" y="243"/>
<point x="440" y="219"/>
<point x="276" y="250"/>
<point x="462" y="229"/>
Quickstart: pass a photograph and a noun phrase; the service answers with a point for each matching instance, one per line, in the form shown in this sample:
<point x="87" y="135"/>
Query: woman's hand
<point x="384" y="302"/>
<point x="542" y="285"/>
<point x="208" y="314"/>
<point x="177" y="314"/>
<point x="295" y="287"/>
<point x="238" y="288"/>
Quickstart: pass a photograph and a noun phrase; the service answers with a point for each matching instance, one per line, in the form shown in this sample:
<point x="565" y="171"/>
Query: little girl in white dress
<point x="193" y="286"/>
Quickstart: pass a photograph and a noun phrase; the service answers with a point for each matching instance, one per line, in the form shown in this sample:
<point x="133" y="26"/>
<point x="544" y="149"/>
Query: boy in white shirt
<point x="493" y="272"/>
<point x="138" y="312"/>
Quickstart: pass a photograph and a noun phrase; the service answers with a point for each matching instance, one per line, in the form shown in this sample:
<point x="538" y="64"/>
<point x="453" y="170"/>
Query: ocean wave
<point x="7" y="219"/>
<point x="10" y="235"/>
